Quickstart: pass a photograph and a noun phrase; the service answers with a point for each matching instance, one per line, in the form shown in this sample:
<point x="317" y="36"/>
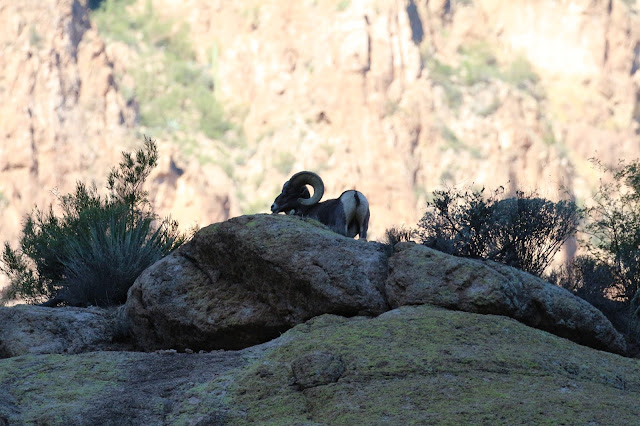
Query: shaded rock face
<point x="245" y="281"/>
<point x="39" y="330"/>
<point x="419" y="275"/>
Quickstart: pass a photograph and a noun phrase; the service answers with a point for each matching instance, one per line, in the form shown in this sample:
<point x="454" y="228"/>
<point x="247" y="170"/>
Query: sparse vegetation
<point x="343" y="5"/>
<point x="489" y="109"/>
<point x="395" y="235"/>
<point x="174" y="92"/>
<point x="4" y="202"/>
<point x="91" y="253"/>
<point x="451" y="138"/>
<point x="478" y="64"/>
<point x="520" y="72"/>
<point x="390" y="107"/>
<point x="453" y="142"/>
<point x="443" y="75"/>
<point x="35" y="39"/>
<point x="284" y="162"/>
<point x="608" y="276"/>
<point x="548" y="136"/>
<point x="630" y="3"/>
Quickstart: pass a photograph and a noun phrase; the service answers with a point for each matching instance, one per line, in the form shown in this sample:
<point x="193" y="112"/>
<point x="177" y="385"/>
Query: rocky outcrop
<point x="247" y="280"/>
<point x="244" y="281"/>
<point x="38" y="330"/>
<point x="418" y="275"/>
<point x="253" y="277"/>
<point x="411" y="365"/>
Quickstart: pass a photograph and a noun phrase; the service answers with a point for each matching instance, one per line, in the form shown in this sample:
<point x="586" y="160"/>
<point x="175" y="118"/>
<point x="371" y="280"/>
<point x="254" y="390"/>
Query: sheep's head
<point x="295" y="193"/>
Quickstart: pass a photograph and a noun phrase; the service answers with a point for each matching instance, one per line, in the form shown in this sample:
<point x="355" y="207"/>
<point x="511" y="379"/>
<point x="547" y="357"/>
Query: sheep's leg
<point x="364" y="226"/>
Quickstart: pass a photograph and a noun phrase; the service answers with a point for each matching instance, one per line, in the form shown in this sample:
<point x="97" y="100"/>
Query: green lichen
<point x="51" y="388"/>
<point x="431" y="365"/>
<point x="413" y="365"/>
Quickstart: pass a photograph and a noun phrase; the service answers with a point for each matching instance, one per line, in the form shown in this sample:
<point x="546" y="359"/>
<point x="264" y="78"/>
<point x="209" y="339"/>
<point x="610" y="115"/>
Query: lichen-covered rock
<point x="28" y="329"/>
<point x="316" y="368"/>
<point x="247" y="280"/>
<point x="411" y="365"/>
<point x="110" y="388"/>
<point x="419" y="275"/>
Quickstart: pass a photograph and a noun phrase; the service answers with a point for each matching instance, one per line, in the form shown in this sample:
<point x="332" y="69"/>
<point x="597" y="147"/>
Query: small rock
<point x="317" y="368"/>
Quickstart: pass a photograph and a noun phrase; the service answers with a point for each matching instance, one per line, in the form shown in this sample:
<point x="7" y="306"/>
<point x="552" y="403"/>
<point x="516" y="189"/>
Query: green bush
<point x="478" y="64"/>
<point x="614" y="245"/>
<point x="614" y="229"/>
<point x="96" y="249"/>
<point x="101" y="265"/>
<point x="522" y="231"/>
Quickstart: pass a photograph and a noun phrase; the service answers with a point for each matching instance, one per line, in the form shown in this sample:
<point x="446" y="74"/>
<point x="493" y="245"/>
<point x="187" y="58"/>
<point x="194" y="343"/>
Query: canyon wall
<point x="394" y="98"/>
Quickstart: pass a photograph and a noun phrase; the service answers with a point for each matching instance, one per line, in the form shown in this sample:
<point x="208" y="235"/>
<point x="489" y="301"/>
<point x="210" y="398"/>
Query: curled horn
<point x="308" y="178"/>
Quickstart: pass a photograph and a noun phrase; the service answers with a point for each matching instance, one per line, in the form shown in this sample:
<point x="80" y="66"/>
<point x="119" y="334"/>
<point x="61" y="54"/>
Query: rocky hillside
<point x="337" y="332"/>
<point x="393" y="98"/>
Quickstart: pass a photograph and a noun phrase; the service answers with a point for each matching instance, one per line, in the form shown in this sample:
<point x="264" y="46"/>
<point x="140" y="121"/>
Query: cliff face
<point x="393" y="98"/>
<point x="61" y="113"/>
<point x="397" y="98"/>
<point x="63" y="118"/>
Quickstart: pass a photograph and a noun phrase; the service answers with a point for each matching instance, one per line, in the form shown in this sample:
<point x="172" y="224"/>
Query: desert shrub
<point x="524" y="231"/>
<point x="93" y="252"/>
<point x="395" y="235"/>
<point x="613" y="228"/>
<point x="479" y="64"/>
<point x="591" y="280"/>
<point x="585" y="277"/>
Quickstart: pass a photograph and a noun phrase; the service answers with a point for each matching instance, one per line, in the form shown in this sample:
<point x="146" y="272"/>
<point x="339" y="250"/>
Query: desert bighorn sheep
<point x="347" y="215"/>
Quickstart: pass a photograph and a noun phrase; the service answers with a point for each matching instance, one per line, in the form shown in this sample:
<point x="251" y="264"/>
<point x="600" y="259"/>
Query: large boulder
<point x="26" y="329"/>
<point x="246" y="280"/>
<point x="420" y="275"/>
